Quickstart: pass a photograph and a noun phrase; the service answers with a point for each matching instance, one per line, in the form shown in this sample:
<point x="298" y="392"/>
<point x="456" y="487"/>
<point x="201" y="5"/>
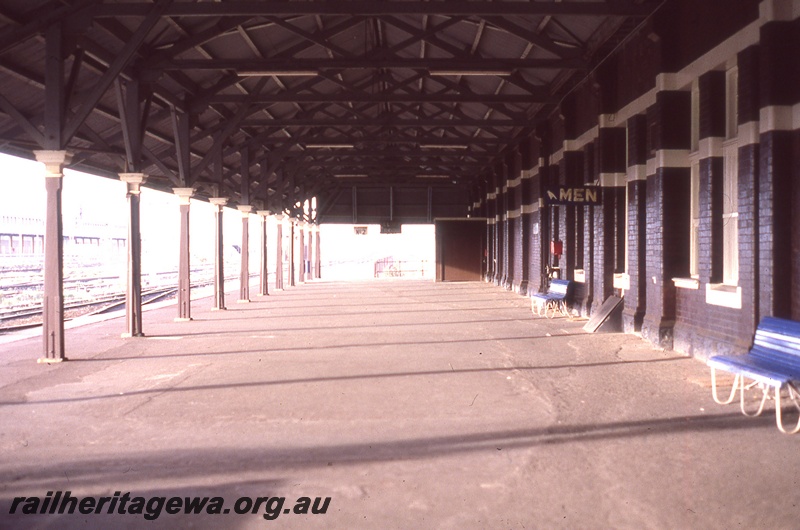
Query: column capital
<point x="280" y="217"/>
<point x="133" y="181"/>
<point x="218" y="201"/>
<point x="245" y="209"/>
<point x="184" y="194"/>
<point x="264" y="213"/>
<point x="54" y="161"/>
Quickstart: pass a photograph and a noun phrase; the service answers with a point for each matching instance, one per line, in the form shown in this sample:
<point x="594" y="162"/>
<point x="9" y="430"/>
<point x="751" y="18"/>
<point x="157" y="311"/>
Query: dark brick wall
<point x="572" y="170"/>
<point x="636" y="297"/>
<point x="516" y="223"/>
<point x="795" y="224"/>
<point x="775" y="172"/>
<point x="658" y="207"/>
<point x="638" y="64"/>
<point x="686" y="32"/>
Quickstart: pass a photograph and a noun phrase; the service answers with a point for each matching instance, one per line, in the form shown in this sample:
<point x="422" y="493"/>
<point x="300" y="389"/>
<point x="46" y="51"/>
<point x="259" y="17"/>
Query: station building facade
<point x="688" y="134"/>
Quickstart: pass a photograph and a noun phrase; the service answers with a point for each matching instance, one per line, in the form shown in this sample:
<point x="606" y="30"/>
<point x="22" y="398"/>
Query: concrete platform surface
<point x="409" y="404"/>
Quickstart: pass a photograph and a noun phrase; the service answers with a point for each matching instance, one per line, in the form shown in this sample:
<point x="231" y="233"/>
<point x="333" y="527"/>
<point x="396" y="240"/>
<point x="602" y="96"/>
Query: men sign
<point x="584" y="195"/>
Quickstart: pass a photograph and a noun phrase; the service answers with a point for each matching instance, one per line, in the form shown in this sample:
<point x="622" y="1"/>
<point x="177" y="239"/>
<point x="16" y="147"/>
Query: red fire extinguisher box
<point x="556" y="248"/>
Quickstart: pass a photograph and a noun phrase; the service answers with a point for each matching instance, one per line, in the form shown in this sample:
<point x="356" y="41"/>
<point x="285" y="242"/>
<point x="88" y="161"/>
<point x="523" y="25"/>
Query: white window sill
<point x="579" y="276"/>
<point x="686" y="283"/>
<point x="724" y="295"/>
<point x="622" y="281"/>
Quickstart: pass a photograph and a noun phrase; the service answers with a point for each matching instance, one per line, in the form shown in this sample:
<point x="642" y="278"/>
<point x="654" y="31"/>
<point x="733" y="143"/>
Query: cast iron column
<point x="317" y="260"/>
<point x="219" y="253"/>
<point x="301" y="237"/>
<point x="133" y="294"/>
<point x="279" y="253"/>
<point x="312" y="236"/>
<point x="244" y="276"/>
<point x="184" y="288"/>
<point x="291" y="253"/>
<point x="263" y="284"/>
<point x="53" y="302"/>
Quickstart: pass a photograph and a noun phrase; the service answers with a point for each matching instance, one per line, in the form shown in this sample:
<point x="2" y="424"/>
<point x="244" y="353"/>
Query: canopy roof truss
<point x="272" y="102"/>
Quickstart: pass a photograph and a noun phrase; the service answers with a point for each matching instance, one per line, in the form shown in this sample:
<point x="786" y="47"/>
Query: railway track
<point x="31" y="317"/>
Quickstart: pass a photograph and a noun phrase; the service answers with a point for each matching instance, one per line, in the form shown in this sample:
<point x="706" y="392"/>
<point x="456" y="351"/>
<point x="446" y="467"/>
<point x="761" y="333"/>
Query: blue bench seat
<point x="553" y="301"/>
<point x="773" y="362"/>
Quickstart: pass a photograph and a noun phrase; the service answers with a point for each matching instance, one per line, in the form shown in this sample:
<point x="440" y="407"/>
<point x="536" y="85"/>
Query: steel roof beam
<point x="362" y="97"/>
<point x="364" y="8"/>
<point x="476" y="64"/>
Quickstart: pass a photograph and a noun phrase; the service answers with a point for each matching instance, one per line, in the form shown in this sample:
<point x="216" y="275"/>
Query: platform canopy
<point x="378" y="109"/>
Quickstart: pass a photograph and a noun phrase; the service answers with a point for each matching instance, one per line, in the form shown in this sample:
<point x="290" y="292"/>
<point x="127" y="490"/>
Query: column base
<point x="180" y="319"/>
<point x="242" y="301"/>
<point x="49" y="360"/>
<point x="632" y="321"/>
<point x="130" y="335"/>
<point x="659" y="333"/>
<point x="219" y="308"/>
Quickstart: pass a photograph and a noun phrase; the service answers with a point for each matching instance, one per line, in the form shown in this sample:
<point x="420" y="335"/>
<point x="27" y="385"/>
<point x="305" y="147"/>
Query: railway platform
<point x="408" y="404"/>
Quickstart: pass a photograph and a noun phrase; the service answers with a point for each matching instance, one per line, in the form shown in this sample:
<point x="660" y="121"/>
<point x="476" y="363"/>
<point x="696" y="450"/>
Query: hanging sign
<point x="582" y="195"/>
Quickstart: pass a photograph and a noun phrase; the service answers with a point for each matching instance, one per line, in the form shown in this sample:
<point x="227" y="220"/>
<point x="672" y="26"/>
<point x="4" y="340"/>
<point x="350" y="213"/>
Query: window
<point x="694" y="188"/>
<point x="730" y="183"/>
<point x="694" y="221"/>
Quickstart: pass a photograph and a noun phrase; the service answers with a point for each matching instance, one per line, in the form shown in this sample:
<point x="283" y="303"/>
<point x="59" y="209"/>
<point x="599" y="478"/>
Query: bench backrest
<point x="558" y="286"/>
<point x="778" y="338"/>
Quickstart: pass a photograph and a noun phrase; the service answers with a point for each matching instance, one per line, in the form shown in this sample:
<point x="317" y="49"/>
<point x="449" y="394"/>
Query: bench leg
<point x="764" y="396"/>
<point x="714" y="388"/>
<point x="793" y="396"/>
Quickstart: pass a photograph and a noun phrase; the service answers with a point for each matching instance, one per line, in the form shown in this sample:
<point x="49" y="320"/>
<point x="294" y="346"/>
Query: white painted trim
<point x="637" y="106"/>
<point x="557" y="157"/>
<point x="583" y="140"/>
<point x="638" y="172"/>
<point x="607" y="121"/>
<point x="476" y="205"/>
<point x="776" y="118"/>
<point x="672" y="158"/>
<point x="530" y="173"/>
<point x="491" y="196"/>
<point x="670" y="82"/>
<point x="686" y="283"/>
<point x="710" y="147"/>
<point x="530" y="208"/>
<point x="513" y="214"/>
<point x="682" y="80"/>
<point x="796" y="117"/>
<point x="622" y="281"/>
<point x="514" y="183"/>
<point x="505" y="188"/>
<point x="727" y="49"/>
<point x="748" y="133"/>
<point x="490" y="221"/>
<point x="724" y="295"/>
<point x="779" y="10"/>
<point x="650" y="167"/>
<point x="612" y="180"/>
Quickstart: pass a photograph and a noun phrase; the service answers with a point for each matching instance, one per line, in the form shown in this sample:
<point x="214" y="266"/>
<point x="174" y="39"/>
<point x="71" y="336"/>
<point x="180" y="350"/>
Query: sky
<point x="102" y="200"/>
